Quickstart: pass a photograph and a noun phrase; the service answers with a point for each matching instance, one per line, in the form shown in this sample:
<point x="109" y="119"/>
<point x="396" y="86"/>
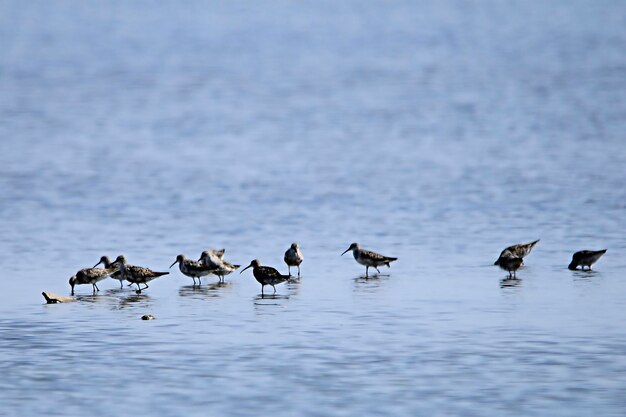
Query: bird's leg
<point x="94" y="288"/>
<point x="146" y="285"/>
<point x="96" y="285"/>
<point x="138" y="287"/>
<point x="200" y="281"/>
<point x="262" y="286"/>
<point x="194" y="281"/>
<point x="298" y="270"/>
<point x="377" y="270"/>
<point x="366" y="269"/>
<point x="274" y="289"/>
<point x="121" y="284"/>
<point x="289" y="269"/>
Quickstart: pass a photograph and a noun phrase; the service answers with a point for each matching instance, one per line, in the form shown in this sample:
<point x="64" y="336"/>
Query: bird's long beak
<point x="245" y="268"/>
<point x="173" y="263"/>
<point x="345" y="251"/>
<point x="97" y="264"/>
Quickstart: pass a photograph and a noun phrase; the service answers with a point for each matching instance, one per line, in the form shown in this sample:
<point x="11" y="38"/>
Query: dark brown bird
<point x="520" y="250"/>
<point x="585" y="258"/>
<point x="266" y="275"/>
<point x="510" y="263"/>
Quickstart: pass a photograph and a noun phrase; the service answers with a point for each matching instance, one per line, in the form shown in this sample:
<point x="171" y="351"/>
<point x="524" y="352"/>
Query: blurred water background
<point x="435" y="131"/>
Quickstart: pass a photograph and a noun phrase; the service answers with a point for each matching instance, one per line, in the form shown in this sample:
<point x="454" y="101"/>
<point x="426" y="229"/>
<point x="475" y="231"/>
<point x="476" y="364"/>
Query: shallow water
<point x="435" y="132"/>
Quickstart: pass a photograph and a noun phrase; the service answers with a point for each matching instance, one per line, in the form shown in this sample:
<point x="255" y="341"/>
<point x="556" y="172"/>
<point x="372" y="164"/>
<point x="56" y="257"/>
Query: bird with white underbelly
<point x="369" y="258"/>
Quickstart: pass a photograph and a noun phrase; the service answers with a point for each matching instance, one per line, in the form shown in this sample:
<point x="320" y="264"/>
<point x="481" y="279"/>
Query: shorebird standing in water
<point x="193" y="269"/>
<point x="517" y="251"/>
<point x="215" y="259"/>
<point x="369" y="258"/>
<point x="266" y="275"/>
<point x="115" y="265"/>
<point x="294" y="257"/>
<point x="137" y="274"/>
<point x="585" y="258"/>
<point x="510" y="263"/>
<point x="90" y="276"/>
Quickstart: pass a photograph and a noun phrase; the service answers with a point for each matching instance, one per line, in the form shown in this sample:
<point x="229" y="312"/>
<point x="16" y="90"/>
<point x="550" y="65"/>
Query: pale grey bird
<point x="193" y="269"/>
<point x="294" y="257"/>
<point x="215" y="259"/>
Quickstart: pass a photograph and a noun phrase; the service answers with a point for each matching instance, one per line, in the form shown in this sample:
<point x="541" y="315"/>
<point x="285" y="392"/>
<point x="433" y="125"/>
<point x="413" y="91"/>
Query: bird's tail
<point x="388" y="260"/>
<point x="159" y="274"/>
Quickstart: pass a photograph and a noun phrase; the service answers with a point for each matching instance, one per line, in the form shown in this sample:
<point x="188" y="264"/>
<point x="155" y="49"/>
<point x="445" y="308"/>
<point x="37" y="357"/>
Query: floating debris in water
<point x="52" y="298"/>
<point x="147" y="317"/>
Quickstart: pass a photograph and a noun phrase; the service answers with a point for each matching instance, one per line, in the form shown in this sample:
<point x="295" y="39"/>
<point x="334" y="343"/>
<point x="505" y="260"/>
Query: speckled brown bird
<point x="193" y="269"/>
<point x="369" y="258"/>
<point x="137" y="274"/>
<point x="90" y="276"/>
<point x="520" y="250"/>
<point x="115" y="265"/>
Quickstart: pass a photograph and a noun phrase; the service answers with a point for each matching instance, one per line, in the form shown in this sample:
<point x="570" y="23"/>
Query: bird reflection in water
<point x="135" y="300"/>
<point x="510" y="282"/>
<point x="584" y="275"/>
<point x="211" y="290"/>
<point x="369" y="283"/>
<point x="269" y="303"/>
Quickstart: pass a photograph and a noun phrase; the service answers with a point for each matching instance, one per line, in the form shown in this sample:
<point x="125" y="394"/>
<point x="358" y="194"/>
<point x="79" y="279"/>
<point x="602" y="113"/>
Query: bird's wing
<point x="373" y="255"/>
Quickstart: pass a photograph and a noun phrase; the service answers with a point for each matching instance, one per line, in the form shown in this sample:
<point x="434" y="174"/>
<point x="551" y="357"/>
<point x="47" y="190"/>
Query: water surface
<point x="437" y="132"/>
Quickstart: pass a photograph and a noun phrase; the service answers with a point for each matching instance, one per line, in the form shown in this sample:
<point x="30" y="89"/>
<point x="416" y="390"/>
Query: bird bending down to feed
<point x="137" y="274"/>
<point x="294" y="257"/>
<point x="191" y="268"/>
<point x="90" y="276"/>
<point x="266" y="275"/>
<point x="369" y="258"/>
<point x="215" y="259"/>
<point x="517" y="251"/>
<point x="585" y="258"/>
<point x="510" y="263"/>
